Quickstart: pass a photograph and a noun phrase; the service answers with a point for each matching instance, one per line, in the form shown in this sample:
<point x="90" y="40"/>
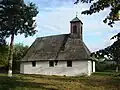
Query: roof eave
<point x="75" y="22"/>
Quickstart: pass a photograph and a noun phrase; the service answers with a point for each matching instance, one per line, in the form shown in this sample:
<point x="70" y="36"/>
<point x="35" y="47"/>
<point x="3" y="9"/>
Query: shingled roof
<point x="76" y="19"/>
<point x="57" y="47"/>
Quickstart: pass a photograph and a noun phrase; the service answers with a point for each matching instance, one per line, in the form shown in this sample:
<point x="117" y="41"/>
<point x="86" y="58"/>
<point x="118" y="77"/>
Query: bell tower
<point x="76" y="27"/>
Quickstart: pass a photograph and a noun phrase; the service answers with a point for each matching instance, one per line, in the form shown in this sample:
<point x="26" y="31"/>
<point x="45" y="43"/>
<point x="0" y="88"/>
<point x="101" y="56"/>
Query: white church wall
<point x="93" y="66"/>
<point x="22" y="68"/>
<point x="89" y="68"/>
<point x="42" y="67"/>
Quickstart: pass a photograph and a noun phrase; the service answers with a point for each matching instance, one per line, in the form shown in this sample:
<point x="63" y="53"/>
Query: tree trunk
<point x="117" y="68"/>
<point x="10" y="60"/>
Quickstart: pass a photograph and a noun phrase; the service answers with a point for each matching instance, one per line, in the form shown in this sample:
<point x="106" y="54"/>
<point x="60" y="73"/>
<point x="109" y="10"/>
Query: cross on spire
<point x="76" y="14"/>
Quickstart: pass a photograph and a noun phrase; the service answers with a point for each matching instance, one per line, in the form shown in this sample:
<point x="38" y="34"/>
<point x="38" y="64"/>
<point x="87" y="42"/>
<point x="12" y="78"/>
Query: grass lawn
<point x="97" y="81"/>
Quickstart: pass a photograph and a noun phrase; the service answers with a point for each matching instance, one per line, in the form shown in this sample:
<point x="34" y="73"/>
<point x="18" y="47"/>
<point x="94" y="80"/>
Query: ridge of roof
<point x="51" y="36"/>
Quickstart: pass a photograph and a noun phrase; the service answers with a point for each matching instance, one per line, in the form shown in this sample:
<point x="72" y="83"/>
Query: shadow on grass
<point x="112" y="82"/>
<point x="54" y="77"/>
<point x="107" y="82"/>
<point x="13" y="83"/>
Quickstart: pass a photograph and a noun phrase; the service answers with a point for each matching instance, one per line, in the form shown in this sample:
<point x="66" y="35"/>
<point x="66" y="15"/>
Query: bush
<point x="103" y="66"/>
<point x="100" y="66"/>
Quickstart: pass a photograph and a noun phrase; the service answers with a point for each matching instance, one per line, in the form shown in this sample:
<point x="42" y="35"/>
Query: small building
<point x="64" y="54"/>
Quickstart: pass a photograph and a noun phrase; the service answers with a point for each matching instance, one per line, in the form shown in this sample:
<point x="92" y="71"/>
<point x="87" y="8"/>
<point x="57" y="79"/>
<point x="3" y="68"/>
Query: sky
<point x="54" y="18"/>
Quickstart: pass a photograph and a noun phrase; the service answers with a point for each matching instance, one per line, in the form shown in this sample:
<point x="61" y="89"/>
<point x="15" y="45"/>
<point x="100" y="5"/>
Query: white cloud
<point x="55" y="20"/>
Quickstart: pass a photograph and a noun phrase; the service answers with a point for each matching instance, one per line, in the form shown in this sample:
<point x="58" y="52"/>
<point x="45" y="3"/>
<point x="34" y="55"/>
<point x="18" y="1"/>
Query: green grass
<point x="97" y="81"/>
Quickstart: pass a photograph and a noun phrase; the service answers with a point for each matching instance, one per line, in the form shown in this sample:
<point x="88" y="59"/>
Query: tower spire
<point x="76" y="14"/>
<point x="76" y="28"/>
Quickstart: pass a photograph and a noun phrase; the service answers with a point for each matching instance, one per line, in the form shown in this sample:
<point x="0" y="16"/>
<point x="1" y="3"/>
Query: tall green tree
<point x="99" y="5"/>
<point x="19" y="51"/>
<point x="16" y="17"/>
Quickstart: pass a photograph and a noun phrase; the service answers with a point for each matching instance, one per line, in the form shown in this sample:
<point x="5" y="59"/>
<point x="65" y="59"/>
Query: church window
<point x="75" y="29"/>
<point x="51" y="63"/>
<point x="69" y="63"/>
<point x="33" y="63"/>
<point x="56" y="62"/>
<point x="81" y="30"/>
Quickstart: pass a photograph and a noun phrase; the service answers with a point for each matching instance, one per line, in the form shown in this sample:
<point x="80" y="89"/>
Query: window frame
<point x="69" y="63"/>
<point x="75" y="29"/>
<point x="51" y="63"/>
<point x="33" y="63"/>
<point x="81" y="30"/>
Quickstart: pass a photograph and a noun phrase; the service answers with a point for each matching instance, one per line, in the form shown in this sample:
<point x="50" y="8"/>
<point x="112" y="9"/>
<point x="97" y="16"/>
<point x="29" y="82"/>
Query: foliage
<point x="100" y="81"/>
<point x="2" y="41"/>
<point x="105" y="66"/>
<point x="19" y="52"/>
<point x="17" y="17"/>
<point x="99" y="5"/>
<point x="111" y="52"/>
<point x="3" y="55"/>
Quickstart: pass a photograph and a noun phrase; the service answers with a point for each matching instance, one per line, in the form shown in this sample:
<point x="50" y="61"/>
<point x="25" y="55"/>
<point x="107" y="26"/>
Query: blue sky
<point x="54" y="17"/>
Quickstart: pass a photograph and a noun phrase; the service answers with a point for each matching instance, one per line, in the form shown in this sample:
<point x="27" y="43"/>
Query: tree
<point x="3" y="55"/>
<point x="99" y="5"/>
<point x="2" y="39"/>
<point x="115" y="48"/>
<point x="19" y="51"/>
<point x="111" y="52"/>
<point x="16" y="17"/>
<point x="18" y="54"/>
